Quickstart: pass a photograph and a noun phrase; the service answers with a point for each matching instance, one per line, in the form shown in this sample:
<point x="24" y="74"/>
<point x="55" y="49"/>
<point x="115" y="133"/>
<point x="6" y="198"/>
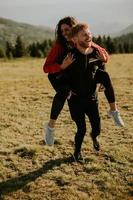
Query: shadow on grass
<point x="19" y="182"/>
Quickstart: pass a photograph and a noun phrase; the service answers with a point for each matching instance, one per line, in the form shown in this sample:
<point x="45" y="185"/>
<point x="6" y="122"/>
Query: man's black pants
<point x="79" y="108"/>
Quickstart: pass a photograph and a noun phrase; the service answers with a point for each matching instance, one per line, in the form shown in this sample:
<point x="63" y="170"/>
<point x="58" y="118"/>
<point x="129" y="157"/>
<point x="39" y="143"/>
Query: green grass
<point x="31" y="170"/>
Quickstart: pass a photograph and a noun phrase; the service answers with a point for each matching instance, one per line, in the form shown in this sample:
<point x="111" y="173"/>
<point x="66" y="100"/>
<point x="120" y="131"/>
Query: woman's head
<point x="63" y="29"/>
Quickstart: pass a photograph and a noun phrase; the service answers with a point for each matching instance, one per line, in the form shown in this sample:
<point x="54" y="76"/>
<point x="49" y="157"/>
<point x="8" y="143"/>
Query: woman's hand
<point x="68" y="60"/>
<point x="100" y="88"/>
<point x="102" y="54"/>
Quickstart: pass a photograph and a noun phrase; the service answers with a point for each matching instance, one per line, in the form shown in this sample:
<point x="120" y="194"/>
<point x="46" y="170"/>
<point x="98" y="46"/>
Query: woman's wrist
<point x="62" y="66"/>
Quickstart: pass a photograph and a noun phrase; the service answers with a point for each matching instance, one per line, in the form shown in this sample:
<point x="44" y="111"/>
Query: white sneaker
<point x="49" y="135"/>
<point x="116" y="117"/>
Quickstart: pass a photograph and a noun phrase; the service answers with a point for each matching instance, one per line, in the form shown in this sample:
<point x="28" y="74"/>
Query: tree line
<point x="123" y="44"/>
<point x="21" y="49"/>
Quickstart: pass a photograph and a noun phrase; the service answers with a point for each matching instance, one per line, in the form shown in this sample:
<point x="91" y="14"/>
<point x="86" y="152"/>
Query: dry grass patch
<point x="30" y="170"/>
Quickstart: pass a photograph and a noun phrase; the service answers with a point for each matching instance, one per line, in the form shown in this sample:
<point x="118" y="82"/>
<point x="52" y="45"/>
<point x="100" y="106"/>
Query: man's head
<point x="81" y="35"/>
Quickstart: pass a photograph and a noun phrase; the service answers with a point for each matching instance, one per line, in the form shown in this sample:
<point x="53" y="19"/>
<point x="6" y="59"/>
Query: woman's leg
<point x="103" y="78"/>
<point x="58" y="102"/>
<point x="57" y="105"/>
<point x="62" y="92"/>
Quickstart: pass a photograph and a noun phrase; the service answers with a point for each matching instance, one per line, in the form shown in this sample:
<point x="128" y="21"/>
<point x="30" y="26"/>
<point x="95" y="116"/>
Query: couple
<point x="76" y="66"/>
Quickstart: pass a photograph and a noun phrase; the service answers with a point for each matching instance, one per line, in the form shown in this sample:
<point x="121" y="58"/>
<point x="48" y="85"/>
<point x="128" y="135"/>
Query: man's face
<point x="84" y="38"/>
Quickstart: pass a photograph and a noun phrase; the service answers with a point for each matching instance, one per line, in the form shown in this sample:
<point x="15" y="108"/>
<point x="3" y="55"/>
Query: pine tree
<point x="126" y="47"/>
<point x="45" y="47"/>
<point x="110" y="45"/>
<point x="120" y="48"/>
<point x="20" y="49"/>
<point x="99" y="40"/>
<point x="9" y="50"/>
<point x="2" y="52"/>
<point x="104" y="42"/>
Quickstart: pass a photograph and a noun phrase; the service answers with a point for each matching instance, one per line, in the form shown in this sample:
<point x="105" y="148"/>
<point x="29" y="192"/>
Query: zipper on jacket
<point x="85" y="61"/>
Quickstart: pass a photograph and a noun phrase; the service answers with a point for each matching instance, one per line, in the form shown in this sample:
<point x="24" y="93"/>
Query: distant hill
<point x="125" y="31"/>
<point x="10" y="29"/>
<point x="127" y="38"/>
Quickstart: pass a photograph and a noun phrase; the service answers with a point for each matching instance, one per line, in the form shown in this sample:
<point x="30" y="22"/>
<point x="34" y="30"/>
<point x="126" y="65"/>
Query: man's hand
<point x="68" y="60"/>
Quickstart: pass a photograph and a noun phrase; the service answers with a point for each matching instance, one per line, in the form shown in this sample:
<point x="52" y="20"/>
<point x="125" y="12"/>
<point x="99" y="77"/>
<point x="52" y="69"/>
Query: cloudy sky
<point x="102" y="15"/>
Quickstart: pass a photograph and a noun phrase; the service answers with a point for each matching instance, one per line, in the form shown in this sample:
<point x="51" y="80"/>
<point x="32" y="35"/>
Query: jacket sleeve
<point x="102" y="66"/>
<point x="103" y="53"/>
<point x="51" y="64"/>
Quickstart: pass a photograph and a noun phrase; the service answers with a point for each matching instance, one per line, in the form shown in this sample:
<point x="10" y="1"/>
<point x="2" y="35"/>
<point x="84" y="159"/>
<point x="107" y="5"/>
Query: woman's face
<point x="65" y="30"/>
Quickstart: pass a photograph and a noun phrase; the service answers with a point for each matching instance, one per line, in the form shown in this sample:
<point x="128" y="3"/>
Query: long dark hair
<point x="71" y="21"/>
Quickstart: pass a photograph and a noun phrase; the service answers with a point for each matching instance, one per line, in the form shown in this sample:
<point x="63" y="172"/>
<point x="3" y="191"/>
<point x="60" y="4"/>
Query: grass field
<point x="30" y="170"/>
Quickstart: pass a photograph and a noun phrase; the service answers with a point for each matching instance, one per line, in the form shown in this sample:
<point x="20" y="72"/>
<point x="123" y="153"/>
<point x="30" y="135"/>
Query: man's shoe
<point x="116" y="117"/>
<point x="96" y="144"/>
<point x="49" y="135"/>
<point x="77" y="157"/>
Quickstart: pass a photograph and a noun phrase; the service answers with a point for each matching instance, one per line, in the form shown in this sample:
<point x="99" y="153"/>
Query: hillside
<point x="128" y="38"/>
<point x="10" y="29"/>
<point x="125" y="31"/>
<point x="30" y="170"/>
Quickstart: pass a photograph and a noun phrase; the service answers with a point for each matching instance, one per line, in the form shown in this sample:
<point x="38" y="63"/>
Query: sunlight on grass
<point x="31" y="170"/>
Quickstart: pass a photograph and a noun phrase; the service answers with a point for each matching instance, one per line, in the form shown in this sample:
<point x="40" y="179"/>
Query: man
<point x="81" y="81"/>
<point x="83" y="75"/>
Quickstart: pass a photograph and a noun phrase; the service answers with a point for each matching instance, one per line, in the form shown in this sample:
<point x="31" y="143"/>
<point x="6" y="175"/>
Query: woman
<point x="55" y="65"/>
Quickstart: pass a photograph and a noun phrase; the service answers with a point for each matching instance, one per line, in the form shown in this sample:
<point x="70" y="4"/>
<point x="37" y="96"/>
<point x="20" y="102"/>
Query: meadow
<point x="30" y="170"/>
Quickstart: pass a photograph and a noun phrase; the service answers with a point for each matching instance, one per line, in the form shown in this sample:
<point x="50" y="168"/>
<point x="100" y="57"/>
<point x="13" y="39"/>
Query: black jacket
<point x="81" y="73"/>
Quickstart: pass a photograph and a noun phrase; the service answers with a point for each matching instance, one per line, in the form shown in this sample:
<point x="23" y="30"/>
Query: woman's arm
<point x="51" y="64"/>
<point x="54" y="57"/>
<point x="101" y="52"/>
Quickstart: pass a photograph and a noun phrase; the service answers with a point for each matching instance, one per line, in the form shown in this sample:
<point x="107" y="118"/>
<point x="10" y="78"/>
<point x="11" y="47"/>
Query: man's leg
<point x="81" y="130"/>
<point x="78" y="116"/>
<point x="93" y="114"/>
